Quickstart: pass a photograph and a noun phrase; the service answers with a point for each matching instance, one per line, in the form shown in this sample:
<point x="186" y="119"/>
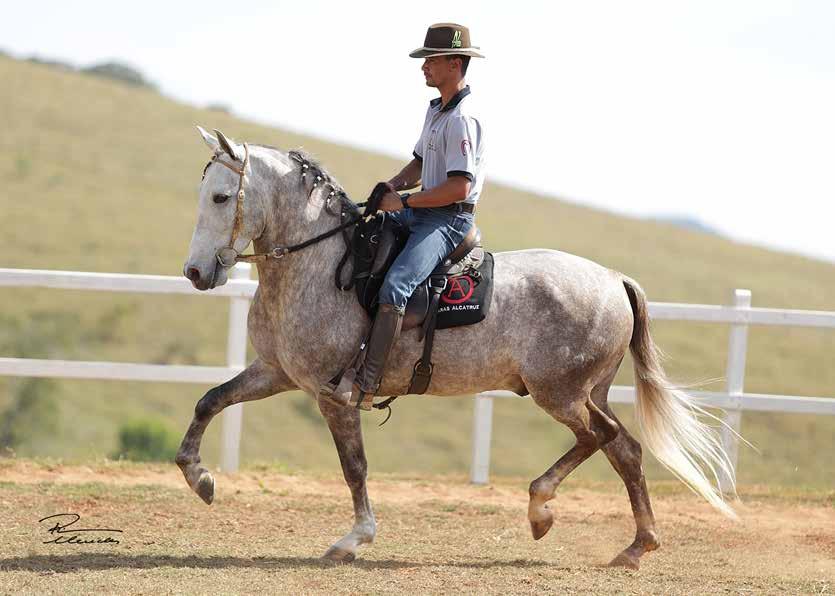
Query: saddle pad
<point x="466" y="299"/>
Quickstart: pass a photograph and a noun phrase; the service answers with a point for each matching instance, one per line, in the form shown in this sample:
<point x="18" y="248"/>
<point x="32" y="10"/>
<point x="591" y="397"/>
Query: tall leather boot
<point x="365" y="380"/>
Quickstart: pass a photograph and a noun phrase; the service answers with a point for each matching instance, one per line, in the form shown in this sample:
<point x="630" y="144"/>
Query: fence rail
<point x="240" y="289"/>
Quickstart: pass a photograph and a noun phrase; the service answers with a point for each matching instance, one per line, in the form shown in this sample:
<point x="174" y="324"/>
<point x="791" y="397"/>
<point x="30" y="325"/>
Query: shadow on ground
<point x="94" y="561"/>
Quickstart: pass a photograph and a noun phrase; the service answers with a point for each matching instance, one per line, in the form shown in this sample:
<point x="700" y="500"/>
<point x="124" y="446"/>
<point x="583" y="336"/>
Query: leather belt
<point x="459" y="207"/>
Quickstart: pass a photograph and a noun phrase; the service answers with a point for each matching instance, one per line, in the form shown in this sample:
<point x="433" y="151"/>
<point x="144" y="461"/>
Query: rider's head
<point x="446" y="52"/>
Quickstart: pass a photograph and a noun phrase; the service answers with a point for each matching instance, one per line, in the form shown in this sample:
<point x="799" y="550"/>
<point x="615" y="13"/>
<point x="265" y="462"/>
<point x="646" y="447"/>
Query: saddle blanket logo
<point x="466" y="299"/>
<point x="459" y="290"/>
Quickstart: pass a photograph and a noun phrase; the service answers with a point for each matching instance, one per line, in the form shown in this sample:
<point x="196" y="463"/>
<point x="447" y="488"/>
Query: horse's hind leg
<point x="624" y="453"/>
<point x="344" y="424"/>
<point x="592" y="429"/>
<point x="257" y="381"/>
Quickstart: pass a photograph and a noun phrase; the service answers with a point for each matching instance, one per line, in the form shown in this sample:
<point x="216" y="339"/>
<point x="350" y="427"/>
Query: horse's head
<point x="230" y="213"/>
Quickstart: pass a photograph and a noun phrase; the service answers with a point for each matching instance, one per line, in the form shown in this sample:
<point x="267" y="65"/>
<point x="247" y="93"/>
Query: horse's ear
<point x="232" y="149"/>
<point x="209" y="140"/>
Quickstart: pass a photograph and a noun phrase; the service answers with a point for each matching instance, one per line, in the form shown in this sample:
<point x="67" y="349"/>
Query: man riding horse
<point x="449" y="160"/>
<point x="558" y="329"/>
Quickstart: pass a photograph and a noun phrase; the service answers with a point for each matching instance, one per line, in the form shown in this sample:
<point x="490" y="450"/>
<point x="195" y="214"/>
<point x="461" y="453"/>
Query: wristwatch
<point x="404" y="199"/>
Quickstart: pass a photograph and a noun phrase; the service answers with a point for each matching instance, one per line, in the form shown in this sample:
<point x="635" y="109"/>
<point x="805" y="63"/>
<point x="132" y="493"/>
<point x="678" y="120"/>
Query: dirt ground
<point x="265" y="533"/>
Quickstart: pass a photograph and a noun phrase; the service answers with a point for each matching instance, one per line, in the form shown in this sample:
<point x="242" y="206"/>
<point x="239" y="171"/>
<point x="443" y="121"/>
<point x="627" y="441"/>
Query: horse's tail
<point x="668" y="418"/>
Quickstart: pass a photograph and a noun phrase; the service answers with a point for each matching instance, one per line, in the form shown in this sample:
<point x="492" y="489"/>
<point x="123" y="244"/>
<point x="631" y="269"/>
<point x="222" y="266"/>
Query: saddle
<point x="375" y="244"/>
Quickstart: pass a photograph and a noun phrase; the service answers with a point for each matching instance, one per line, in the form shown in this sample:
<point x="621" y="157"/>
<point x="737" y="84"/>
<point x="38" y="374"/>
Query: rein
<point x="228" y="256"/>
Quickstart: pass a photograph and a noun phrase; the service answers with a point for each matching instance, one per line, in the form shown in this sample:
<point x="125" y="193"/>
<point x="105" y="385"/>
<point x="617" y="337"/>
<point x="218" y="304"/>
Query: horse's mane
<point x="314" y="168"/>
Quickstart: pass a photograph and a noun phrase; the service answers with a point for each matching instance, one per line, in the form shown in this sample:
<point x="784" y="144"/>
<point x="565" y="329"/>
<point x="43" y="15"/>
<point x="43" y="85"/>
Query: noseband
<point x="228" y="256"/>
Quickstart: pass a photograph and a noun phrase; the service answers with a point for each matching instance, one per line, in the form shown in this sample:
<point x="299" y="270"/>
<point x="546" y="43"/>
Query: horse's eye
<point x="219" y="198"/>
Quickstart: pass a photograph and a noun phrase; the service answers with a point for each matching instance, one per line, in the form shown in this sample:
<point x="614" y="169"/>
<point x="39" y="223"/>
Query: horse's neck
<point x="304" y="281"/>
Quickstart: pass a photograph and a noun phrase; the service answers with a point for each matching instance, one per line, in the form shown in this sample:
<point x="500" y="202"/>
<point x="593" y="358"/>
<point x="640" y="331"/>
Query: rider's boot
<point x="359" y="385"/>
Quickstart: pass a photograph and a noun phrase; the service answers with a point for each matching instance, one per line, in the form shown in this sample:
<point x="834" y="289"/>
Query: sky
<point x="723" y="111"/>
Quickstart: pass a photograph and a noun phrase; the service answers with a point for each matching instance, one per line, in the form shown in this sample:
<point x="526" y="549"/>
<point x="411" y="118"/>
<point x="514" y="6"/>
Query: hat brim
<point x="430" y="52"/>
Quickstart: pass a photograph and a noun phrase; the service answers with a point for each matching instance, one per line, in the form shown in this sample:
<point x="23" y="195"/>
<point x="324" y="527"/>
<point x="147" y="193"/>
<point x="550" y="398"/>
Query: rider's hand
<point x="391" y="200"/>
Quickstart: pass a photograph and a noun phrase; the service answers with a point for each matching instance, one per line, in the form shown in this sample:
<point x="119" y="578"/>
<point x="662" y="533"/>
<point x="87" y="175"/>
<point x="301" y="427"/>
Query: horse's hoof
<point x="206" y="488"/>
<point x="339" y="555"/>
<point x="540" y="527"/>
<point x="625" y="560"/>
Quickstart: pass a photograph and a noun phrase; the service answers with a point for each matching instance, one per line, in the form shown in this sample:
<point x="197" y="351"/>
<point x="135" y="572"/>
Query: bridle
<point x="228" y="256"/>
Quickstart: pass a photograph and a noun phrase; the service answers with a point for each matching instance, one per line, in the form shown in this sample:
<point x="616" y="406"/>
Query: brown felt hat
<point x="446" y="39"/>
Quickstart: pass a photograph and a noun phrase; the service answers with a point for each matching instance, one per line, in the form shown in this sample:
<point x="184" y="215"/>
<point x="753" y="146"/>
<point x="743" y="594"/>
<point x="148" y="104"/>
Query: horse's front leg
<point x="344" y="424"/>
<point x="257" y="381"/>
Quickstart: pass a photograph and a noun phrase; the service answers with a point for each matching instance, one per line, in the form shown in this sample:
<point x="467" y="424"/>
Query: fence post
<point x="735" y="375"/>
<point x="482" y="427"/>
<point x="236" y="343"/>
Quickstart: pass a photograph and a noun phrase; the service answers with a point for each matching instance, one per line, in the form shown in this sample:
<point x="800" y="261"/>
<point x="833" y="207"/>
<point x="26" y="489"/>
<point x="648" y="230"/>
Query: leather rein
<point x="228" y="256"/>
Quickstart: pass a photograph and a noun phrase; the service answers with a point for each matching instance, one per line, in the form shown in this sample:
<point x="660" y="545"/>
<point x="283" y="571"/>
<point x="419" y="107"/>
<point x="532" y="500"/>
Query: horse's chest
<point x="263" y="331"/>
<point x="301" y="341"/>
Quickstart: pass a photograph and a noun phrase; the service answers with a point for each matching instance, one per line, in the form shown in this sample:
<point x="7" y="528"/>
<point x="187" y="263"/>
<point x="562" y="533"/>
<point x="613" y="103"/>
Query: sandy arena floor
<point x="265" y="533"/>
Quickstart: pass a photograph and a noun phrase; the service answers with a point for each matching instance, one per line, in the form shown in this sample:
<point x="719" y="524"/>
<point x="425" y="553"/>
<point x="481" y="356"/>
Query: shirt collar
<point x="454" y="101"/>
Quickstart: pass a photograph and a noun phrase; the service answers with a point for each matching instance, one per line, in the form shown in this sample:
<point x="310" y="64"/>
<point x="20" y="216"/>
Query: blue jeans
<point x="434" y="235"/>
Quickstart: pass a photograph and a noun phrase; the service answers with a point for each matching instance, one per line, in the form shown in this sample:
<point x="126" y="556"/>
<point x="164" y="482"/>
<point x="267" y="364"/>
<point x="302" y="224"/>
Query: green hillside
<point x="101" y="176"/>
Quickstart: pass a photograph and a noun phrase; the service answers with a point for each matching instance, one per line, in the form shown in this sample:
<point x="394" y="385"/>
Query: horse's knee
<point x="207" y="405"/>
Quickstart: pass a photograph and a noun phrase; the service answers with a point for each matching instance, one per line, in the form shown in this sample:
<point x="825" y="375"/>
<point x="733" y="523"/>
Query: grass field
<point x="266" y="530"/>
<point x="99" y="176"/>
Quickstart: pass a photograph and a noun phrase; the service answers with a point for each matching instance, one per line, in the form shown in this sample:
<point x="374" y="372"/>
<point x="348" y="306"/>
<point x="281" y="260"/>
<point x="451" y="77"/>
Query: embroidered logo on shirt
<point x="464" y="147"/>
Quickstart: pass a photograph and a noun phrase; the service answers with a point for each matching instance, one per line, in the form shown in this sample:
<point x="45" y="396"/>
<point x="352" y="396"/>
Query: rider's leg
<point x="429" y="243"/>
<point x="341" y="393"/>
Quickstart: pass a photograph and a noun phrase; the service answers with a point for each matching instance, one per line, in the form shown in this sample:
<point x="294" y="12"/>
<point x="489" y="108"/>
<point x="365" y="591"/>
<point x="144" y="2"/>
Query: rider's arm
<point x="409" y="176"/>
<point x="454" y="189"/>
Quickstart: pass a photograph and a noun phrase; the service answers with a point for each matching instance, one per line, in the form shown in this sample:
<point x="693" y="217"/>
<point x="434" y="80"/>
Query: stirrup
<point x="327" y="389"/>
<point x="338" y="390"/>
<point x="365" y="401"/>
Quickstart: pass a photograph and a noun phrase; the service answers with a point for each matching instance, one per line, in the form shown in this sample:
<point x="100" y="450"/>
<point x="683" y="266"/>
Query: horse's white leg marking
<point x="344" y="424"/>
<point x="257" y="381"/>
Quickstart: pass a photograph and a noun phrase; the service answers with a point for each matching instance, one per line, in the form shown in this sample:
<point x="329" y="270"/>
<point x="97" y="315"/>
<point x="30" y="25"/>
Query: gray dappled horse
<point x="558" y="329"/>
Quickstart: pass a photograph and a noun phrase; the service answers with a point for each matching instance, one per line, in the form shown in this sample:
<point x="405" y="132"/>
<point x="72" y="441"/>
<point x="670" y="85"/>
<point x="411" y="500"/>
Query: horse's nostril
<point x="193" y="274"/>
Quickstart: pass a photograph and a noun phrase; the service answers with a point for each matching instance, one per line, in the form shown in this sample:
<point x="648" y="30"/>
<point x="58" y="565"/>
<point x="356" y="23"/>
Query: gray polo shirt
<point x="451" y="144"/>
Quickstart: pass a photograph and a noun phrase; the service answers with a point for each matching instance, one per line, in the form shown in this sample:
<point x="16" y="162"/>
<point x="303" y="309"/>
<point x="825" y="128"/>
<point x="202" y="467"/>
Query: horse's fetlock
<point x="366" y="533"/>
<point x="186" y="459"/>
<point x="538" y="489"/>
<point x="649" y="540"/>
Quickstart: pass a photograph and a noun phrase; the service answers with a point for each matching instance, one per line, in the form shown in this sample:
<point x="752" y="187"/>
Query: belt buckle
<point x="441" y="285"/>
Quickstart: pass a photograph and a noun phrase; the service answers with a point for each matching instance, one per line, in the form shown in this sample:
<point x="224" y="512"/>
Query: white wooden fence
<point x="240" y="289"/>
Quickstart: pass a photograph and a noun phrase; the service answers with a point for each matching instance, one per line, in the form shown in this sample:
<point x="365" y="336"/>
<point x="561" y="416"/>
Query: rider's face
<point x="436" y="70"/>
